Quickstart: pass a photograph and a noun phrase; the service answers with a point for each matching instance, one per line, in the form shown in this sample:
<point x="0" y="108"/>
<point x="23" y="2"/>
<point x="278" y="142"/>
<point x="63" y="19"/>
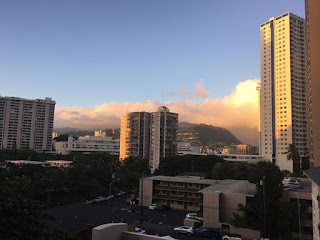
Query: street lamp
<point x="111" y="186"/>
<point x="299" y="215"/>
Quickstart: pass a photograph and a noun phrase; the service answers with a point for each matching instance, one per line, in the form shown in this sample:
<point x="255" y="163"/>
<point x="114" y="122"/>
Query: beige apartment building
<point x="135" y="135"/>
<point x="314" y="175"/>
<point x="26" y="124"/>
<point x="313" y="76"/>
<point x="150" y="135"/>
<point x="217" y="199"/>
<point x="163" y="135"/>
<point x="283" y="89"/>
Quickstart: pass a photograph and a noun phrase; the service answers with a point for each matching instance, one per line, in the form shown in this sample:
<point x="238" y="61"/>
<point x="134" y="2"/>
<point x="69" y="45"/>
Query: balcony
<point x="177" y="198"/>
<point x="177" y="188"/>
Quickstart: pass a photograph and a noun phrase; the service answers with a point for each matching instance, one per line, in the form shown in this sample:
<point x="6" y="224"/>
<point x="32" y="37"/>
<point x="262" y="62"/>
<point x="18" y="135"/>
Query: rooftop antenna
<point x="162" y="99"/>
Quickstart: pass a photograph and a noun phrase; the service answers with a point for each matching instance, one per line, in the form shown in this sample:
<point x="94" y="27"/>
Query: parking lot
<point x="77" y="217"/>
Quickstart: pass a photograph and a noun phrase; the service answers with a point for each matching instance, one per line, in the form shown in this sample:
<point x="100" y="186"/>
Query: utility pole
<point x="141" y="190"/>
<point x="263" y="182"/>
<point x="299" y="216"/>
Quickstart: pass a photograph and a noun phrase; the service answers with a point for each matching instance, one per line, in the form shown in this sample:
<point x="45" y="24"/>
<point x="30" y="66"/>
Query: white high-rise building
<point x="283" y="89"/>
<point x="26" y="124"/>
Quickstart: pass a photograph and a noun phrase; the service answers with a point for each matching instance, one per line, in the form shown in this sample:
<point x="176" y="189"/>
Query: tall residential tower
<point x="164" y="132"/>
<point x="149" y="135"/>
<point x="135" y="135"/>
<point x="26" y="124"/>
<point x="283" y="89"/>
<point x="313" y="76"/>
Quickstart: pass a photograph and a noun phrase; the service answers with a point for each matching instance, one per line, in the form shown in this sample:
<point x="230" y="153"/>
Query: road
<point x="76" y="217"/>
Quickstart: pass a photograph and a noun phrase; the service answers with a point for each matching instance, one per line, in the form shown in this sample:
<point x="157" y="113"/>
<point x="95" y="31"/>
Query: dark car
<point x="164" y="207"/>
<point x="132" y="201"/>
<point x="213" y="233"/>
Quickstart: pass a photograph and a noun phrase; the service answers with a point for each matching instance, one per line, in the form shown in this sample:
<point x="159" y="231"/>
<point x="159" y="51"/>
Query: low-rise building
<point x="242" y="158"/>
<point x="314" y="175"/>
<point x="217" y="199"/>
<point x="88" y="144"/>
<point x="47" y="163"/>
<point x="185" y="148"/>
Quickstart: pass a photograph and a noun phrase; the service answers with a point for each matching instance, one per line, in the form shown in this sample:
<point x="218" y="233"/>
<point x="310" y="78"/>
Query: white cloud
<point x="237" y="111"/>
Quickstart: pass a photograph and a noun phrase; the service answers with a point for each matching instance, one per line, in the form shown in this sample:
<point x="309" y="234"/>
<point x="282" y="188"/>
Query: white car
<point x="99" y="199"/>
<point x="291" y="183"/>
<point x="109" y="197"/>
<point x="139" y="230"/>
<point x="232" y="237"/>
<point x="191" y="215"/>
<point x="88" y="201"/>
<point x="184" y="229"/>
<point x="194" y="216"/>
<point x="154" y="206"/>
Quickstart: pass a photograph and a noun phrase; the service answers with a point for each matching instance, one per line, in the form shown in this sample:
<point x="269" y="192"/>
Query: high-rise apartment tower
<point x="313" y="76"/>
<point x="164" y="132"/>
<point x="283" y="89"/>
<point x="26" y="124"/>
<point x="149" y="135"/>
<point x="135" y="135"/>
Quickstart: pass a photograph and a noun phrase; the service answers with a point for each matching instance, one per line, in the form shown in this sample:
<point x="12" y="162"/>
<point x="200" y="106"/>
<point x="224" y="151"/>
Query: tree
<point x="293" y="154"/>
<point x="19" y="214"/>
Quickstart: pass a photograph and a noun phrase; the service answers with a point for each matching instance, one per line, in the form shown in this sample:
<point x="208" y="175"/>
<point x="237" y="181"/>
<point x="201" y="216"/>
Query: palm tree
<point x="292" y="154"/>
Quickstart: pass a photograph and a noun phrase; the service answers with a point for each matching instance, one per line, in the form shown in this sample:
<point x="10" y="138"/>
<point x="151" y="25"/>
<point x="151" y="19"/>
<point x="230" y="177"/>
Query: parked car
<point x="88" y="202"/>
<point x="191" y="215"/>
<point x="184" y="229"/>
<point x="139" y="230"/>
<point x="232" y="237"/>
<point x="154" y="206"/>
<point x="194" y="216"/>
<point x="99" y="199"/>
<point x="291" y="183"/>
<point x="213" y="233"/>
<point x="132" y="201"/>
<point x="109" y="197"/>
<point x="164" y="207"/>
<point x="121" y="193"/>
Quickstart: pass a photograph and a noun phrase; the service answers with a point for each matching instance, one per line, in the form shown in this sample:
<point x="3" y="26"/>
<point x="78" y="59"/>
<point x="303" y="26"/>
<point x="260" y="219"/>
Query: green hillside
<point x="202" y="134"/>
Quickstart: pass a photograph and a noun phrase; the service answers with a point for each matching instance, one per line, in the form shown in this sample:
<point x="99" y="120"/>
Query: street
<point x="77" y="217"/>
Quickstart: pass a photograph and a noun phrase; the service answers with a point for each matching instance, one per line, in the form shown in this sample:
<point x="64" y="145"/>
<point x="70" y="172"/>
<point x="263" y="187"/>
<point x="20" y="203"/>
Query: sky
<point x="88" y="54"/>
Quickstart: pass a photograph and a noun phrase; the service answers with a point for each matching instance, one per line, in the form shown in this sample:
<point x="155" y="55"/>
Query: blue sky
<point x="85" y="53"/>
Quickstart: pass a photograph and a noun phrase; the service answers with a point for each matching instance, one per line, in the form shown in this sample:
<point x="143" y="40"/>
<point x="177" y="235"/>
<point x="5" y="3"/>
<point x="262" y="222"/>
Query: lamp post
<point x="111" y="186"/>
<point x="299" y="215"/>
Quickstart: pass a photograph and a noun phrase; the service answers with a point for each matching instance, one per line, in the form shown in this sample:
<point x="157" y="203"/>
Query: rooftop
<point x="231" y="186"/>
<point x="314" y="174"/>
<point x="184" y="179"/>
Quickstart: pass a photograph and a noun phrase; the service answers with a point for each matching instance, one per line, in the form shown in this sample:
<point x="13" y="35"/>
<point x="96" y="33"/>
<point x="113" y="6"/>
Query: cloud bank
<point x="238" y="111"/>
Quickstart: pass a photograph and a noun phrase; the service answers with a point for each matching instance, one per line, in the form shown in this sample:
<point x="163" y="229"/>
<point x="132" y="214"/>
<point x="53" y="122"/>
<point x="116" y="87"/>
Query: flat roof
<point x="231" y="186"/>
<point x="314" y="174"/>
<point x="185" y="179"/>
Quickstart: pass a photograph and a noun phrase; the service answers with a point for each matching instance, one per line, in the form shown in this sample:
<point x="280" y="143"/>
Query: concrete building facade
<point x="26" y="124"/>
<point x="283" y="89"/>
<point x="243" y="149"/>
<point x="88" y="144"/>
<point x="135" y="135"/>
<point x="313" y="76"/>
<point x="149" y="135"/>
<point x="185" y="148"/>
<point x="163" y="135"/>
<point x="314" y="175"/>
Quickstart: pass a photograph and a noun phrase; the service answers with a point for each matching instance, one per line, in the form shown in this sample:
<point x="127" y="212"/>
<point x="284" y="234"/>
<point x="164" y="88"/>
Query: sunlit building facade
<point x="313" y="76"/>
<point x="135" y="135"/>
<point x="283" y="89"/>
<point x="26" y="124"/>
<point x="163" y="137"/>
